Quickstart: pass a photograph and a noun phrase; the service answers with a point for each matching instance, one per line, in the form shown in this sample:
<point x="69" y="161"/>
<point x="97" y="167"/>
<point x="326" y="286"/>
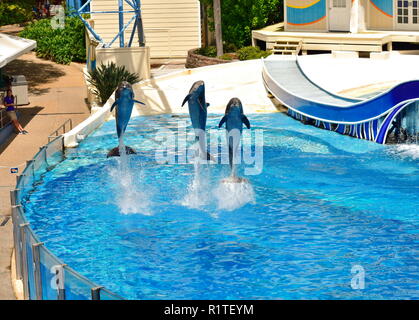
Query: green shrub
<point x="208" y="51"/>
<point x="248" y="53"/>
<point x="230" y="47"/>
<point x="13" y="12"/>
<point x="226" y="56"/>
<point x="59" y="45"/>
<point x="106" y="78"/>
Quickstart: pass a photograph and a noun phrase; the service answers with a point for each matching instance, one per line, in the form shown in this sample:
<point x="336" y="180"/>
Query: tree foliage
<point x="15" y="11"/>
<point x="59" y="45"/>
<point x="240" y="17"/>
<point x="106" y="78"/>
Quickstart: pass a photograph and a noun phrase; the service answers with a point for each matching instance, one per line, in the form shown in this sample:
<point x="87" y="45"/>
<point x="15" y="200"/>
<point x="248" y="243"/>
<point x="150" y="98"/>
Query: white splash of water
<point x="129" y="198"/>
<point x="197" y="195"/>
<point x="234" y="195"/>
<point x="406" y="151"/>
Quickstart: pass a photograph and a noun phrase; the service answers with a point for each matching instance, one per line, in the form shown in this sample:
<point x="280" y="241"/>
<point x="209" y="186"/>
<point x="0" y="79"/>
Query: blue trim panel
<point x="306" y="15"/>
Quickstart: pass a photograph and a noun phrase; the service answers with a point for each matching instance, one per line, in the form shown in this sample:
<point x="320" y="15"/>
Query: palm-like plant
<point x="106" y="78"/>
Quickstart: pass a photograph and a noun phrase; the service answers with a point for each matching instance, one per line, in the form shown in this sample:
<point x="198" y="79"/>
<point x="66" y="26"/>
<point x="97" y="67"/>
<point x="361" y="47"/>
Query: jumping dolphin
<point x="198" y="114"/>
<point x="234" y="119"/>
<point x="124" y="102"/>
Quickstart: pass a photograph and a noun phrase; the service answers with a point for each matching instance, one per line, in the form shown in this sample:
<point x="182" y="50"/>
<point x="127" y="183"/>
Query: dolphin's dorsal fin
<point x="246" y="121"/>
<point x="114" y="105"/>
<point x="224" y="119"/>
<point x="186" y="99"/>
<point x="139" y="102"/>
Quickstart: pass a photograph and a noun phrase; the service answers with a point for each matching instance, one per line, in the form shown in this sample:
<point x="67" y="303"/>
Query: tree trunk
<point x="218" y="30"/>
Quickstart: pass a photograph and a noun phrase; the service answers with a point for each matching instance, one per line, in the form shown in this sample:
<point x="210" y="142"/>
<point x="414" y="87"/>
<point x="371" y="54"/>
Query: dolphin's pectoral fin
<point x="224" y="119"/>
<point x="136" y="101"/>
<point x="115" y="152"/>
<point x="114" y="105"/>
<point x="186" y="99"/>
<point x="246" y="121"/>
<point x="208" y="104"/>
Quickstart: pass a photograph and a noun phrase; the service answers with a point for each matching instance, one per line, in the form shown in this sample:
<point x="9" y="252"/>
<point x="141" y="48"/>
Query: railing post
<point x="37" y="270"/>
<point x="17" y="241"/>
<point x="62" y="146"/>
<point x="25" y="278"/>
<point x="45" y="154"/>
<point x="13" y="197"/>
<point x="60" y="281"/>
<point x="96" y="293"/>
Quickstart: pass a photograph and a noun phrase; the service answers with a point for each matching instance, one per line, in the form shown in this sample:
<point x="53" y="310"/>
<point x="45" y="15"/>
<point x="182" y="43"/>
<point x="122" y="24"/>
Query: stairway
<point x="287" y="47"/>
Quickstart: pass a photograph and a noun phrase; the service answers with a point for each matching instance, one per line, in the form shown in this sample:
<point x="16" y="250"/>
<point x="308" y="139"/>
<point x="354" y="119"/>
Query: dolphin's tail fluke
<point x="115" y="152"/>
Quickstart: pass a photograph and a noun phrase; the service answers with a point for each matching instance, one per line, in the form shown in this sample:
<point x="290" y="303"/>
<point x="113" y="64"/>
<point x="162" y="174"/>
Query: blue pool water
<point x="322" y="204"/>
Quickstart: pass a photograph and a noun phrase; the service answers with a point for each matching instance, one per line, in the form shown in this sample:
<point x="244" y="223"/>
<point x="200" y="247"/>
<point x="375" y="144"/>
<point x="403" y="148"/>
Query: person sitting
<point x="9" y="103"/>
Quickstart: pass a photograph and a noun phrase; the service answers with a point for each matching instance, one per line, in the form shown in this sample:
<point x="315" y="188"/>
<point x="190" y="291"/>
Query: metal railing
<point x="4" y="119"/>
<point x="62" y="128"/>
<point x="44" y="276"/>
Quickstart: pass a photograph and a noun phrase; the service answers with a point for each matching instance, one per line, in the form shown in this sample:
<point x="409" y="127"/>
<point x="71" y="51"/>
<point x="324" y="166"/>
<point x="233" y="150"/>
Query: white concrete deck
<point x="366" y="41"/>
<point x="222" y="82"/>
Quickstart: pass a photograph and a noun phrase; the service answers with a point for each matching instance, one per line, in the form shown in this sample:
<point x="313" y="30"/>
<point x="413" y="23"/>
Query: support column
<point x="121" y="22"/>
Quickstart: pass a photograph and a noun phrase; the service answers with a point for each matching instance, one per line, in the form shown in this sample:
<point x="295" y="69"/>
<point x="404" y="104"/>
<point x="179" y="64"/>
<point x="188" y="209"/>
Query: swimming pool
<point x="323" y="204"/>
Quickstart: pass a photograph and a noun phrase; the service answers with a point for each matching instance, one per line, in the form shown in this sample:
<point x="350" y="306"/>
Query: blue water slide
<point x="370" y="119"/>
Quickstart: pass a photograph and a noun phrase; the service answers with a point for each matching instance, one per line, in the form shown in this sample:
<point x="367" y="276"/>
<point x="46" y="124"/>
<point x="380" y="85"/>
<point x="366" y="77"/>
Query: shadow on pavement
<point x="36" y="74"/>
<point x="25" y="115"/>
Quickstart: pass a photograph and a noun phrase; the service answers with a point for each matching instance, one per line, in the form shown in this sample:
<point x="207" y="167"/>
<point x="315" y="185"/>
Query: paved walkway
<point x="56" y="93"/>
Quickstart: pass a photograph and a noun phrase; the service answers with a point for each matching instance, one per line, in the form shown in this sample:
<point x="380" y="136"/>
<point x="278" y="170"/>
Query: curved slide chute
<point x="373" y="119"/>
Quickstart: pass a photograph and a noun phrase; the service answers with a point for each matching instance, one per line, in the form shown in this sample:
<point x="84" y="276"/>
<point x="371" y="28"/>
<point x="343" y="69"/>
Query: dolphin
<point x="124" y="102"/>
<point x="234" y="119"/>
<point x="198" y="114"/>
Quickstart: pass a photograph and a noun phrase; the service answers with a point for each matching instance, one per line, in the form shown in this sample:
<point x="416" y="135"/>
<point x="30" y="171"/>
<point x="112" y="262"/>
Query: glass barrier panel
<point x="22" y="217"/>
<point x="107" y="295"/>
<point x="39" y="164"/>
<point x="26" y="181"/>
<point x="19" y="195"/>
<point x="19" y="184"/>
<point x="76" y="286"/>
<point x="29" y="261"/>
<point x="49" y="265"/>
<point x="54" y="151"/>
